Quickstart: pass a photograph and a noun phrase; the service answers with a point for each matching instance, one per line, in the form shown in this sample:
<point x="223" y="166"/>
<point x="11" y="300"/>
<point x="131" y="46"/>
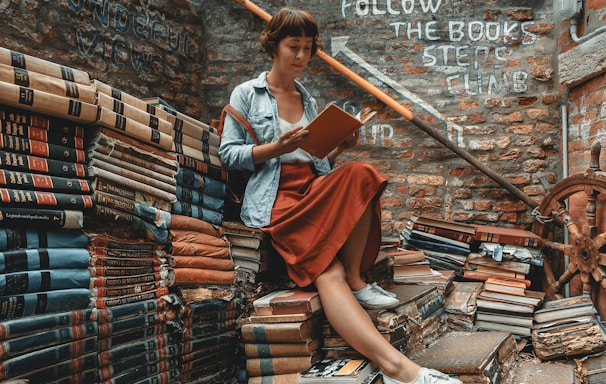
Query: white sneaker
<point x="426" y="376"/>
<point x="374" y="297"/>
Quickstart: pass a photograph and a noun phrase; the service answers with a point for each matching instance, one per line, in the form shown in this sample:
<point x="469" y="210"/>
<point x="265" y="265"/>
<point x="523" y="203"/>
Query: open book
<point x="331" y="127"/>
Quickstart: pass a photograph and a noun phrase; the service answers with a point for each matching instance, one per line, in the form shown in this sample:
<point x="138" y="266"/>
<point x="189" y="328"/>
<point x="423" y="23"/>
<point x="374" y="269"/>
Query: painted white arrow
<point x="339" y="44"/>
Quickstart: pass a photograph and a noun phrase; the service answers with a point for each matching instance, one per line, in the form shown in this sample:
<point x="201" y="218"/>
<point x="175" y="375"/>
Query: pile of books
<point x="460" y="305"/>
<point x="481" y="267"/>
<point x="410" y="267"/>
<point x="505" y="305"/>
<point x="283" y="337"/>
<point x="249" y="249"/>
<point x="567" y="327"/>
<point x="341" y="371"/>
<point x="445" y="243"/>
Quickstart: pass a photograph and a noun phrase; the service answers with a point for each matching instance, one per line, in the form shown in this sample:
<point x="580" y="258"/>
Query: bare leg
<point x="352" y="323"/>
<point x="353" y="250"/>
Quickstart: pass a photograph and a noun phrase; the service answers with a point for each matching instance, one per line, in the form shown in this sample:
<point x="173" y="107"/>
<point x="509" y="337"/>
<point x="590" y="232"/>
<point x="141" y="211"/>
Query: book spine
<point x="43" y="102"/>
<point x="216" y="172"/>
<point x="504" y="238"/>
<point x="32" y="199"/>
<point x="206" y="343"/>
<point x="16" y="283"/>
<point x="35" y="259"/>
<point x="34" y="238"/>
<point x="190" y="126"/>
<point x="138" y="347"/>
<point x="19" y="346"/>
<point x="278" y="365"/>
<point x="142" y="227"/>
<point x="129" y="99"/>
<point x="131" y="323"/>
<point x="109" y="119"/>
<point x="187" y="178"/>
<point x="113" y="282"/>
<point x="49" y="68"/>
<point x="125" y="173"/>
<point x="161" y="339"/>
<point x="21" y="162"/>
<point x="24" y="326"/>
<point x="199" y="198"/>
<point x="45" y="83"/>
<point x="126" y="290"/>
<point x="66" y="137"/>
<point x="110" y="242"/>
<point x="134" y="373"/>
<point x="33" y="181"/>
<point x="105" y="302"/>
<point x="216" y="316"/>
<point x="118" y="262"/>
<point x="203" y="263"/>
<point x="83" y="370"/>
<point x="197" y="212"/>
<point x="109" y="153"/>
<point x="41" y="218"/>
<point x="131" y="112"/>
<point x="115" y="189"/>
<point x="202" y="145"/>
<point x="184" y="276"/>
<point x="193" y="153"/>
<point x="97" y="251"/>
<point x="149" y="170"/>
<point x="131" y="184"/>
<point x="253" y="350"/>
<point x="451" y="234"/>
<point x="205" y="307"/>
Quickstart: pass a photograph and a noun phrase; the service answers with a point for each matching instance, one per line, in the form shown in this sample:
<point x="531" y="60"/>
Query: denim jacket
<point x="254" y="100"/>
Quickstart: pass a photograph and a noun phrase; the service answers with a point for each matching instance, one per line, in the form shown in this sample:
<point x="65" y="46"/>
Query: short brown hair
<point x="289" y="22"/>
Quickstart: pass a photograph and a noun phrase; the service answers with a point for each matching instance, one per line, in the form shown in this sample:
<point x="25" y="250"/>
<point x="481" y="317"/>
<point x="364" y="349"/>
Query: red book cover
<point x="289" y="301"/>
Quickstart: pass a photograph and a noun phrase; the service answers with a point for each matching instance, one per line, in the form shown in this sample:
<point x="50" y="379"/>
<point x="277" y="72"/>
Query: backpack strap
<point x="233" y="112"/>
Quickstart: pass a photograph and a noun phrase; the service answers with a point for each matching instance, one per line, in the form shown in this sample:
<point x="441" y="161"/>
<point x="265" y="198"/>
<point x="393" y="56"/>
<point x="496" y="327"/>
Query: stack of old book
<point x="411" y="267"/>
<point x="59" y="347"/>
<point x="210" y="338"/>
<point x="445" y="243"/>
<point x="472" y="357"/>
<point x="140" y="342"/>
<point x="420" y="317"/>
<point x="249" y="248"/>
<point x="132" y="165"/>
<point x="345" y="371"/>
<point x="201" y="253"/>
<point x="201" y="179"/>
<point x="567" y="327"/>
<point x="479" y="267"/>
<point x="39" y="276"/>
<point x="505" y="305"/>
<point x="460" y="305"/>
<point x="126" y="270"/>
<point x="283" y="336"/>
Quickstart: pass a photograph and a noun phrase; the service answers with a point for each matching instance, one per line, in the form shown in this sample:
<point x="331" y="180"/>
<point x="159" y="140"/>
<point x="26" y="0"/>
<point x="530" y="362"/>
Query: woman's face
<point x="293" y="54"/>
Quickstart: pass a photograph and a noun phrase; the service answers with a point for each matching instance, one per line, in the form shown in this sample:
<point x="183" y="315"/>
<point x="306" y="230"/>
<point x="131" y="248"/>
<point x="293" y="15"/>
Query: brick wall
<point x="482" y="73"/>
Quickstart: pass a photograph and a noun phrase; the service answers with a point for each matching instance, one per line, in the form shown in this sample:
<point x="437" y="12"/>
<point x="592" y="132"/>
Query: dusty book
<point x="442" y="228"/>
<point x="505" y="286"/>
<point x="412" y="269"/>
<point x="69" y="135"/>
<point x="47" y="103"/>
<point x="129" y="99"/>
<point x="132" y="112"/>
<point x="436" y="238"/>
<point x="36" y="181"/>
<point x="499" y="326"/>
<point x="27" y="163"/>
<point x="289" y="301"/>
<point x="331" y="127"/>
<point x="405" y="256"/>
<point x="296" y="331"/>
<point x="304" y="348"/>
<point x="341" y="371"/>
<point x="41" y="218"/>
<point x="502" y="235"/>
<point x="280" y="365"/>
<point x="530" y="297"/>
<point x="565" y="308"/>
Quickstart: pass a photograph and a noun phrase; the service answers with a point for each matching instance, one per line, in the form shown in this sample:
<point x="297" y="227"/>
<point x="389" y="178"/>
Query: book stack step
<point x="282" y="337"/>
<point x="486" y="359"/>
<point x="250" y="250"/>
<point x="567" y="327"/>
<point x="505" y="305"/>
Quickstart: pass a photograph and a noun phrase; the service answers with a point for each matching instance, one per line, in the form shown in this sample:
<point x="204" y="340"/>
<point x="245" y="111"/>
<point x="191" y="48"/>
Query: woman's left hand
<point x="350" y="141"/>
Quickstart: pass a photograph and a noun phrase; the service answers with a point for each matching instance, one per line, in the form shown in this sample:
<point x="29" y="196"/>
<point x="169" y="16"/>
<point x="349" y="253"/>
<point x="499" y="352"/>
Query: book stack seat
<point x="445" y="243"/>
<point x="250" y="250"/>
<point x="460" y="305"/>
<point x="210" y="338"/>
<point x="140" y="341"/>
<point x="472" y="357"/>
<point x="567" y="327"/>
<point x="133" y="166"/>
<point x="283" y="336"/>
<point x="201" y="253"/>
<point x="507" y="306"/>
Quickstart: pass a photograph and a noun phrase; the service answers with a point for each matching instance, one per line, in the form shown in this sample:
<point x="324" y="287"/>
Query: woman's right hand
<point x="292" y="139"/>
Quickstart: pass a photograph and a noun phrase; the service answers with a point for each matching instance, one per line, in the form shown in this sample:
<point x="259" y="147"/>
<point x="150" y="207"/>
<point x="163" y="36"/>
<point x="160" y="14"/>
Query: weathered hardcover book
<point x="81" y="369"/>
<point x="96" y="158"/>
<point x="133" y="362"/>
<point x="289" y="301"/>
<point x="46" y="357"/>
<point x="530" y="297"/>
<point x="43" y="280"/>
<point x="29" y="304"/>
<point x="69" y="135"/>
<point x="197" y="212"/>
<point x="442" y="228"/>
<point x="34" y="238"/>
<point x="45" y="83"/>
<point x="502" y="235"/>
<point x="281" y="332"/>
<point x="45" y="67"/>
<point x="266" y="366"/>
<point x="419" y="268"/>
<point x="203" y="262"/>
<point x="167" y="277"/>
<point x="337" y="371"/>
<point x="112" y="242"/>
<point x="21" y="162"/>
<point x="434" y="245"/>
<point x="290" y="378"/>
<point x="129" y="99"/>
<point x="41" y="218"/>
<point x="190" y="126"/>
<point x="128" y="290"/>
<point x="38" y="340"/>
<point x="139" y="347"/>
<point x="476" y="261"/>
<point x="189" y="276"/>
<point x="144" y="308"/>
<point x="146" y="212"/>
<point x="197" y="225"/>
<point x="139" y="115"/>
<point x="43" y="258"/>
<point x="35" y="181"/>
<point x="127" y="184"/>
<point x="478" y="364"/>
<point x="202" y="145"/>
<point x="44" y="199"/>
<point x="256" y="350"/>
<point x="405" y="256"/>
<point x="199" y="198"/>
<point x="128" y="192"/>
<point x="47" y="103"/>
<point x="437" y="238"/>
<point x="188" y="178"/>
<point x="133" y="375"/>
<point x="118" y="172"/>
<point x="498" y="326"/>
<point x="110" y="119"/>
<point x="23" y="326"/>
<point x="196" y="154"/>
<point x="563" y="308"/>
<point x="216" y="172"/>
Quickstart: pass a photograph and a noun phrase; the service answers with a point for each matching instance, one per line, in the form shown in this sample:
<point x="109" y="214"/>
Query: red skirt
<point x="313" y="216"/>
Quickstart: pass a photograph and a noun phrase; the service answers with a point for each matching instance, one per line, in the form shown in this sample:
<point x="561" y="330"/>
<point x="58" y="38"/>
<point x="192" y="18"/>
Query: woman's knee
<point x="334" y="272"/>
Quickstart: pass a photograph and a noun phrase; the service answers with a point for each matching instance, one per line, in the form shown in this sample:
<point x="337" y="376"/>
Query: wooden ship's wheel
<point x="586" y="246"/>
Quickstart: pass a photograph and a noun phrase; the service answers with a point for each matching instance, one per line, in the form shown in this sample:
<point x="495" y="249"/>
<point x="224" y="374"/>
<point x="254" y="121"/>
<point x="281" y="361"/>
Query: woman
<point x="325" y="224"/>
